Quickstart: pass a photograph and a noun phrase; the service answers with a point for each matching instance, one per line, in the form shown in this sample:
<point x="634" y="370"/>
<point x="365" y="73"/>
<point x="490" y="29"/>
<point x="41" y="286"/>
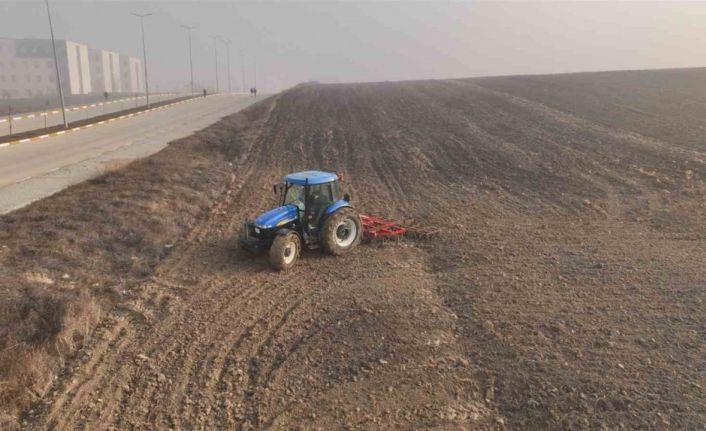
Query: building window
<point x="13" y="78"/>
<point x="38" y="78"/>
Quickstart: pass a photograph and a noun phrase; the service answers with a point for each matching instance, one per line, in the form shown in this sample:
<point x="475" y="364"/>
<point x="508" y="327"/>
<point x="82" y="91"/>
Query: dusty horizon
<point x="283" y="44"/>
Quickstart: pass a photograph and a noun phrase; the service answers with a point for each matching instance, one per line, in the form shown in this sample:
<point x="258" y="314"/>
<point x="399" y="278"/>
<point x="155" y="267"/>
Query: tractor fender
<point x="286" y="231"/>
<point x="336" y="206"/>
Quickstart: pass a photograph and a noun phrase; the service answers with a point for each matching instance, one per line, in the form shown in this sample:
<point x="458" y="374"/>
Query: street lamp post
<point x="215" y="52"/>
<point x="242" y="69"/>
<point x="56" y="67"/>
<point x="191" y="62"/>
<point x="144" y="53"/>
<point x="227" y="43"/>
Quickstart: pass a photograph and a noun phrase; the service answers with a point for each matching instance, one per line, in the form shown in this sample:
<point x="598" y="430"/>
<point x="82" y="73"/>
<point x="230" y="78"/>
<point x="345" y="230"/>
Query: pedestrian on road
<point x="204" y="92"/>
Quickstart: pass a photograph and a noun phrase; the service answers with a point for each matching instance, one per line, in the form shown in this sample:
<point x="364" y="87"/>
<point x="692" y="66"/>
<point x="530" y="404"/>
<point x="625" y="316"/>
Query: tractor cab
<point x="313" y="193"/>
<point x="311" y="212"/>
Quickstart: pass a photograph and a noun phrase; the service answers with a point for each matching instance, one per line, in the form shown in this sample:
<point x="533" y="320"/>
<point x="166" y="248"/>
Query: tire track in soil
<point x="252" y="401"/>
<point x="111" y="340"/>
<point x="193" y="358"/>
<point x="201" y="376"/>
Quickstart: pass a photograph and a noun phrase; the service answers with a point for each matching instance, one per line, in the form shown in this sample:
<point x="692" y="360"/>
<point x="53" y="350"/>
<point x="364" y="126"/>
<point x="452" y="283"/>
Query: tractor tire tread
<point x="277" y="251"/>
<point x="328" y="232"/>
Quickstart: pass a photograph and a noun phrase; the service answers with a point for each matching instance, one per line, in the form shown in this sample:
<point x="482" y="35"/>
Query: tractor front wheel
<point x="284" y="251"/>
<point x="341" y="232"/>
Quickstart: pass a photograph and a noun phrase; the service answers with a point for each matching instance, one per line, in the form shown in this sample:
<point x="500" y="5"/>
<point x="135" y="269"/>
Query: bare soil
<point x="566" y="289"/>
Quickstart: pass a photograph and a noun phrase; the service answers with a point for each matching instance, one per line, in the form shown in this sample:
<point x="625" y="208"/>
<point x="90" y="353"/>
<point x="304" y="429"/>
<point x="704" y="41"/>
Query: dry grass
<point x="54" y="326"/>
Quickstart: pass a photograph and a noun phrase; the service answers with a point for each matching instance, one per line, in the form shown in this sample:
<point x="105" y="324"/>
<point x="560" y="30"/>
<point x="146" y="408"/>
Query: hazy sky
<point x="292" y="42"/>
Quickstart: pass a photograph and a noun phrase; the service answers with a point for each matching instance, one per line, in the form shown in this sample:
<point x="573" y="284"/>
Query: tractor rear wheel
<point x="284" y="251"/>
<point x="341" y="232"/>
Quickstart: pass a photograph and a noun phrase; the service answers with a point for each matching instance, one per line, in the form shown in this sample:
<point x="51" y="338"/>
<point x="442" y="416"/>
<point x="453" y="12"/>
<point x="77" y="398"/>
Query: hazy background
<point x="292" y="42"/>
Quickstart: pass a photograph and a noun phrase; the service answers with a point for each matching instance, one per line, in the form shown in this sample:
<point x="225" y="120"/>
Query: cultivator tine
<point x="418" y="231"/>
<point x="378" y="227"/>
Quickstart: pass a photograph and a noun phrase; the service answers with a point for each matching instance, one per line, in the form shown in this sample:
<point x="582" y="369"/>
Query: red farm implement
<point x="378" y="227"/>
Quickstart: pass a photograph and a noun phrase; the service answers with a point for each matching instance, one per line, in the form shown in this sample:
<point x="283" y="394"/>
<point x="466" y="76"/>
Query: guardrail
<point x="20" y="123"/>
<point x="97" y="123"/>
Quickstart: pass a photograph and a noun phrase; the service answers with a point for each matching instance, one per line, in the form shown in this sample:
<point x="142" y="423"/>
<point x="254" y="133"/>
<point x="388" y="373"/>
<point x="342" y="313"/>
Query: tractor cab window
<point x="321" y="196"/>
<point x="294" y="194"/>
<point x="335" y="191"/>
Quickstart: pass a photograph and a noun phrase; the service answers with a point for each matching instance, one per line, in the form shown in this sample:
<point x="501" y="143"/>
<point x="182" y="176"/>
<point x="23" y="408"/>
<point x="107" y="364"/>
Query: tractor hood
<point x="276" y="217"/>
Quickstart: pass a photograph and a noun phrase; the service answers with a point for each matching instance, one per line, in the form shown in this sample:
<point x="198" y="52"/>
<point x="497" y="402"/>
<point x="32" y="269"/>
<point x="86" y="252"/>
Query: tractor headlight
<point x="257" y="230"/>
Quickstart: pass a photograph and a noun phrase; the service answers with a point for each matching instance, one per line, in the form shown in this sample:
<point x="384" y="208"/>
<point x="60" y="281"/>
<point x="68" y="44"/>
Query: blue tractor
<point x="311" y="213"/>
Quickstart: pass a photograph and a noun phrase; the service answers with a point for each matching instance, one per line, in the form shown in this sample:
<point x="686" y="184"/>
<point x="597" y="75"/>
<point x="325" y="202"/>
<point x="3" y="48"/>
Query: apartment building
<point x="27" y="69"/>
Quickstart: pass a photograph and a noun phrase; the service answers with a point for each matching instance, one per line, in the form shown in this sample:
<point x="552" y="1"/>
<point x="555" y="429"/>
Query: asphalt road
<point x="36" y="120"/>
<point x="33" y="170"/>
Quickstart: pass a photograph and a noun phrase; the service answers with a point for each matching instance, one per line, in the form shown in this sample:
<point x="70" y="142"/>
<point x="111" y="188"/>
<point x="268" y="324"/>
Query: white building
<point x="132" y="74"/>
<point x="27" y="69"/>
<point x="105" y="71"/>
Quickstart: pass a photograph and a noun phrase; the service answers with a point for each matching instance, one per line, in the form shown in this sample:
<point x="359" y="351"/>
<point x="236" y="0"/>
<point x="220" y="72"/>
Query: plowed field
<point x="566" y="290"/>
